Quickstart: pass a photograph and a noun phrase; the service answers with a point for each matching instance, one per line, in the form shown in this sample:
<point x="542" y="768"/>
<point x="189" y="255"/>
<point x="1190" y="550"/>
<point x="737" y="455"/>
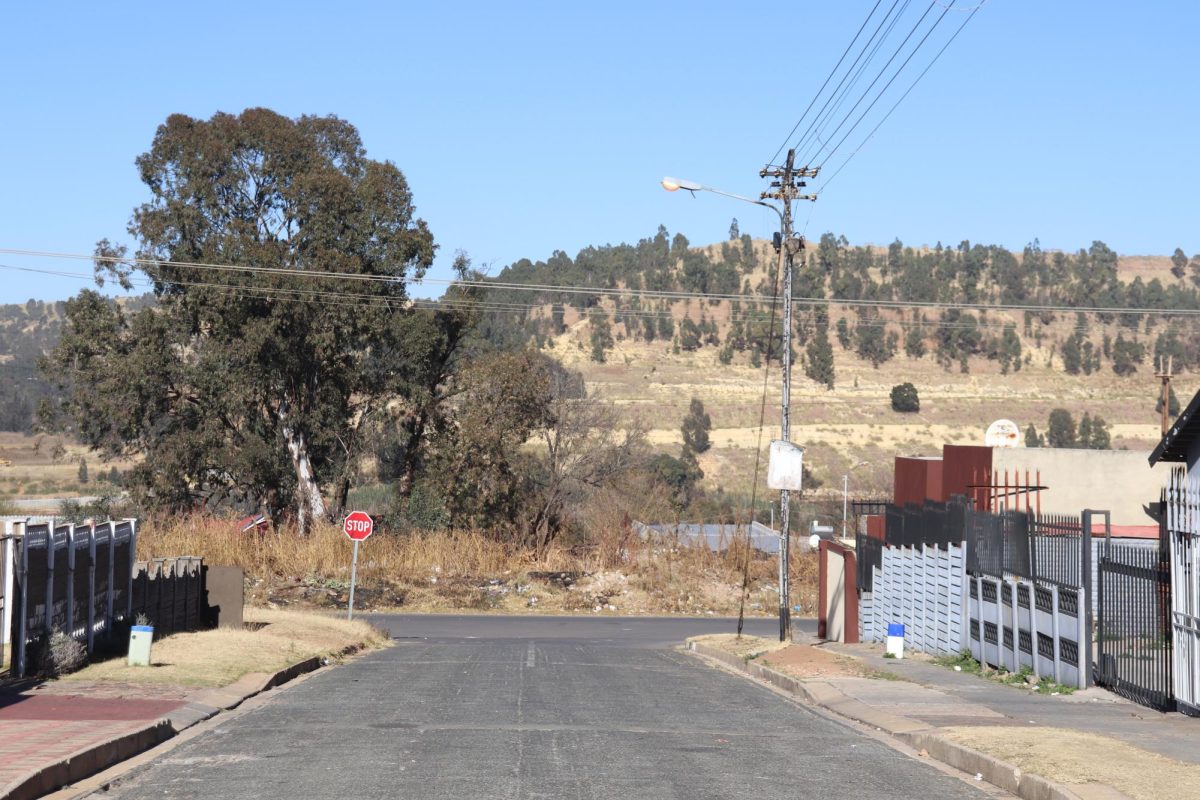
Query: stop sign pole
<point x="358" y="525"/>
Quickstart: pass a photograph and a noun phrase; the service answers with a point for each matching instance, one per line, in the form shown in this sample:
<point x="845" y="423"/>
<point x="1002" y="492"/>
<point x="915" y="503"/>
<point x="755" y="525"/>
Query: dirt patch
<point x="746" y="647"/>
<point x="807" y="661"/>
<point x="1074" y="758"/>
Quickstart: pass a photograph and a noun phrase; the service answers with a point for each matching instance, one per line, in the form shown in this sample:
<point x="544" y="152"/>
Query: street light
<point x="675" y="184"/>
<point x="786" y="246"/>
<point x="846" y="491"/>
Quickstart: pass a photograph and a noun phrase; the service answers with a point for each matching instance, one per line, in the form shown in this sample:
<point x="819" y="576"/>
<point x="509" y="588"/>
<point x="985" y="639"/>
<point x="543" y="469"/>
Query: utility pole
<point x="1164" y="374"/>
<point x="785" y="185"/>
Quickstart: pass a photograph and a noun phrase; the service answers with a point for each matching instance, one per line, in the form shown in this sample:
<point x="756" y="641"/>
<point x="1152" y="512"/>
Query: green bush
<point x="905" y="398"/>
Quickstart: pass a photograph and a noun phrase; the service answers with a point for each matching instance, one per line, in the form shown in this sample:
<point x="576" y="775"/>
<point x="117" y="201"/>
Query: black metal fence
<point x="931" y="524"/>
<point x="998" y="544"/>
<point x="1056" y="552"/>
<point x="1135" y="626"/>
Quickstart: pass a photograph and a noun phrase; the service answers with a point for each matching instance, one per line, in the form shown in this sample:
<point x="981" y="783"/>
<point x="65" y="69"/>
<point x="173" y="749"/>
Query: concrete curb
<point x="914" y="733"/>
<point x="87" y="761"/>
<point x="200" y="706"/>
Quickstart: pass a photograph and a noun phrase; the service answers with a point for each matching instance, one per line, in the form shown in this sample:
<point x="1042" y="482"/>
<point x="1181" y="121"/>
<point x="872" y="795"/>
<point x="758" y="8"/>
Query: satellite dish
<point x="1003" y="433"/>
<point x="814" y="541"/>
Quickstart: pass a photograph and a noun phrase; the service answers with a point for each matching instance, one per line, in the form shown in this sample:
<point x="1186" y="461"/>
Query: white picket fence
<point x="925" y="589"/>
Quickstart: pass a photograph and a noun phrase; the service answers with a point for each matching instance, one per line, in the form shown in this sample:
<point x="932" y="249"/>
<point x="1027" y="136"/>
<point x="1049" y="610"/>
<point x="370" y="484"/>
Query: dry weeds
<point x="471" y="571"/>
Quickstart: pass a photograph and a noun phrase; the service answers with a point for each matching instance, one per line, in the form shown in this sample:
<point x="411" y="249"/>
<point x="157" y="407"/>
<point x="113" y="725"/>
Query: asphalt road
<point x="546" y="707"/>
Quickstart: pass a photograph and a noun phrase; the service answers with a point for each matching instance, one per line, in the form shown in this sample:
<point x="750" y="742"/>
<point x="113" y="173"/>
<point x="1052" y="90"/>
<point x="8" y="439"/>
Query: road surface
<point x="546" y="707"/>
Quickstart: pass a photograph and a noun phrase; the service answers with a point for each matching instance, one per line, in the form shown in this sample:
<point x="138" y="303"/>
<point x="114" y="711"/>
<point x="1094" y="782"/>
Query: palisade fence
<point x="83" y="581"/>
<point x="1182" y="502"/>
<point x="1135" y="654"/>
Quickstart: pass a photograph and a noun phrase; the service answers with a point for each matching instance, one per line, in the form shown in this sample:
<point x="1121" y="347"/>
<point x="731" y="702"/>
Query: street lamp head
<point x="675" y="184"/>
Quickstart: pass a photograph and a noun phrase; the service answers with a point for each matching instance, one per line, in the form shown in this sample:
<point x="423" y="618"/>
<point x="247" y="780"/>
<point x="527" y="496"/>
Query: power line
<point x="823" y="120"/>
<point x="891" y="80"/>
<point x="820" y="114"/>
<point x="828" y="78"/>
<point x="878" y="125"/>
<point x="598" y="291"/>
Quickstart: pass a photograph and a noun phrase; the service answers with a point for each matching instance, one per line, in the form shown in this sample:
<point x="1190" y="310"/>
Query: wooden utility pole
<point x="1164" y="374"/>
<point x="785" y="187"/>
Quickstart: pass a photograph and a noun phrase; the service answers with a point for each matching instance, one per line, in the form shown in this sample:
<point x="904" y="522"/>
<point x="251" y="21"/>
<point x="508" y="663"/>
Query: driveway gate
<point x="1183" y="530"/>
<point x="1135" y="626"/>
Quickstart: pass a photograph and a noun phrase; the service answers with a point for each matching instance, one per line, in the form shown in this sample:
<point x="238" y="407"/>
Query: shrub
<point x="56" y="655"/>
<point x="905" y="398"/>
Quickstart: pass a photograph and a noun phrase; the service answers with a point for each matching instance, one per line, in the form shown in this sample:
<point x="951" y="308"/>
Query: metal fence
<point x="1182" y="502"/>
<point x="83" y="581"/>
<point x="932" y="524"/>
<point x="1135" y="658"/>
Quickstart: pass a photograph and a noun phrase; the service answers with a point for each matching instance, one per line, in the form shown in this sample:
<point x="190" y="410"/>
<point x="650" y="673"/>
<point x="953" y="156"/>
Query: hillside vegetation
<point x="652" y="355"/>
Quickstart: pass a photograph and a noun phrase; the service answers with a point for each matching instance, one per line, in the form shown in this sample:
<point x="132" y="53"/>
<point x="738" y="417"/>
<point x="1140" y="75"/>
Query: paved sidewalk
<point x="56" y="733"/>
<point x="944" y="697"/>
<point x="43" y="726"/>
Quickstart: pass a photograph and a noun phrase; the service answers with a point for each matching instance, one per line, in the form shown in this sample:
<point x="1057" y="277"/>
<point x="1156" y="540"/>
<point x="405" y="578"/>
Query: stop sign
<point x="358" y="525"/>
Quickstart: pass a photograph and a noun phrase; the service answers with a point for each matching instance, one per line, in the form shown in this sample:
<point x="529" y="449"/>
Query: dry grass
<point x="1071" y="757"/>
<point x="468" y="570"/>
<point x="219" y="657"/>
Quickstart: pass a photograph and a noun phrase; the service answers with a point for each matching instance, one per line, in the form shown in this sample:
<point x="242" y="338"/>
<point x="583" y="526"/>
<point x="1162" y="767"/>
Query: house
<point x="1181" y="443"/>
<point x="1046" y="479"/>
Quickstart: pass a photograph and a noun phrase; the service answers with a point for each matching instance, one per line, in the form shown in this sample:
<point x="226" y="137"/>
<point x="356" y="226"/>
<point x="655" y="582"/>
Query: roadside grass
<point x="964" y="662"/>
<point x="272" y="640"/>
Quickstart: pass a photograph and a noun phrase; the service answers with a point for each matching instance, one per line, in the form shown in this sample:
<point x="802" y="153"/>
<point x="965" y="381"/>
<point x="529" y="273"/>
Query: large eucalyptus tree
<point x="252" y="384"/>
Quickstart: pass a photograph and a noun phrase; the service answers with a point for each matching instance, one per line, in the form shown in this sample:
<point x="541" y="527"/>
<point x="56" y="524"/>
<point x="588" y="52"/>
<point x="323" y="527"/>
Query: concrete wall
<point x="1119" y="481"/>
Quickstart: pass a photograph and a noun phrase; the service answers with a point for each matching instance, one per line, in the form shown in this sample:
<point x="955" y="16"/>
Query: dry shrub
<point x="468" y="569"/>
<point x="326" y="552"/>
<point x="56" y="655"/>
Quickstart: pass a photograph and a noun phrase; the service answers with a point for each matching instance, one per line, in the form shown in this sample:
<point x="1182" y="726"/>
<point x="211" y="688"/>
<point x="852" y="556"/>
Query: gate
<point x="1183" y="530"/>
<point x="1136" y="659"/>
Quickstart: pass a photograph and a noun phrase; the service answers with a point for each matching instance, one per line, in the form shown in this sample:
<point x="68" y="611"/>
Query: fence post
<point x="8" y="556"/>
<point x="50" y="561"/>
<point x="109" y="613"/>
<point x="69" y="621"/>
<point x="1016" y="627"/>
<point x="1057" y="629"/>
<point x="1085" y="612"/>
<point x="23" y="605"/>
<point x="91" y="593"/>
<point x="132" y="562"/>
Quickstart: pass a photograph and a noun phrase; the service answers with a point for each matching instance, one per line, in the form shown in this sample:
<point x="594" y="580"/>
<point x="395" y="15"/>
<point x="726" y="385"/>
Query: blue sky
<point x="525" y="128"/>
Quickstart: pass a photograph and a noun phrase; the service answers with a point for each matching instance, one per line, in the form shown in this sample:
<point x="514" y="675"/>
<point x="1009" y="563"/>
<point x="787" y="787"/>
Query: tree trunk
<point x="309" y="505"/>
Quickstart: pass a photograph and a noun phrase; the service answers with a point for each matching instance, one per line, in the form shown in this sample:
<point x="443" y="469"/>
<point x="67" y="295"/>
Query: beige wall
<point x="1119" y="481"/>
<point x="835" y="596"/>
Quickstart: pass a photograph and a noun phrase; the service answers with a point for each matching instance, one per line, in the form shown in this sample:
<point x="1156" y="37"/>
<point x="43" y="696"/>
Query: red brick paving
<point x="74" y="708"/>
<point x="43" y="725"/>
<point x="32" y="744"/>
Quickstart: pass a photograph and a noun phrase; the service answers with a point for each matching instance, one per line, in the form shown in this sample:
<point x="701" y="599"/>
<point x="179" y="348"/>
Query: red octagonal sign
<point x="358" y="525"/>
